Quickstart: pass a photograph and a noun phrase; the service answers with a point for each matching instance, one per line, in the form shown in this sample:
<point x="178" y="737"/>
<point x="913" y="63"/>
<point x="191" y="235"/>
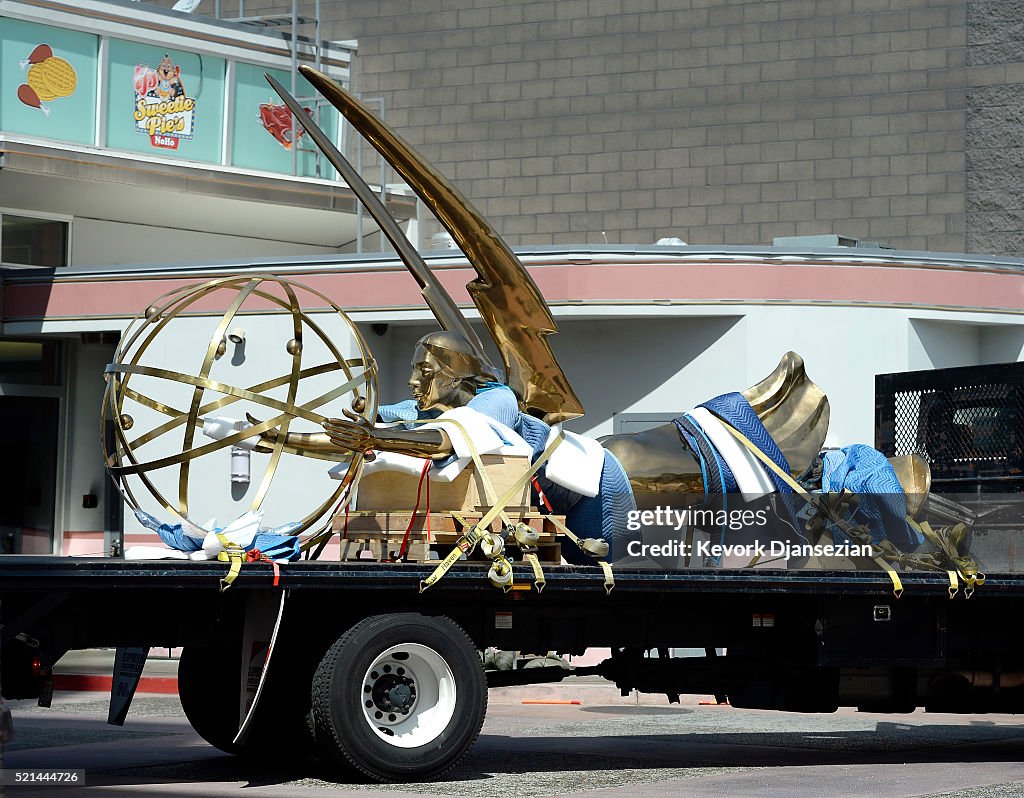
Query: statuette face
<point x="446" y="372"/>
<point x="429" y="386"/>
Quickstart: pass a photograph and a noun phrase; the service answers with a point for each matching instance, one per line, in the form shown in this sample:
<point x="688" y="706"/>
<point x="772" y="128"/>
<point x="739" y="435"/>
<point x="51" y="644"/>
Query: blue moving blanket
<point x="865" y="471"/>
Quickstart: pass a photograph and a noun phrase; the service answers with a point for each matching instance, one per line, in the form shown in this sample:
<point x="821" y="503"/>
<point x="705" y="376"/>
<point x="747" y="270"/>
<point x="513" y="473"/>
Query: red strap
<point x="428" y="512"/>
<point x="541" y="496"/>
<point x="255" y="555"/>
<point x="412" y="518"/>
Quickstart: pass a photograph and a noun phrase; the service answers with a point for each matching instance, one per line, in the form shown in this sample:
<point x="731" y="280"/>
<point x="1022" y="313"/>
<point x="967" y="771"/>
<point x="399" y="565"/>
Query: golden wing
<point x="509" y="301"/>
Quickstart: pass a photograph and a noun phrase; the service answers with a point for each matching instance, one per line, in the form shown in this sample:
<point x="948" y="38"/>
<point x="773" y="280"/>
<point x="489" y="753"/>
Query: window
<point x="28" y="241"/>
<point x="29" y="362"/>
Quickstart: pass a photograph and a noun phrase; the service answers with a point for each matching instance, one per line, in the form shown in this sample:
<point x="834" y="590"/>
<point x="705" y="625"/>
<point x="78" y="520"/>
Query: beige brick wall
<point x="717" y="121"/>
<point x="995" y="127"/>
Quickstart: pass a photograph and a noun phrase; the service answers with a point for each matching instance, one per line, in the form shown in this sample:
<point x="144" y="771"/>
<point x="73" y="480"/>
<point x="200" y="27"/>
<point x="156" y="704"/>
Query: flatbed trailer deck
<point x="803" y="640"/>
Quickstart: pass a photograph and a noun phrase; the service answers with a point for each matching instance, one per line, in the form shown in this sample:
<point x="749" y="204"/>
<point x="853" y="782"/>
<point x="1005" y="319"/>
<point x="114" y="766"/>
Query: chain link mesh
<point x="968" y="423"/>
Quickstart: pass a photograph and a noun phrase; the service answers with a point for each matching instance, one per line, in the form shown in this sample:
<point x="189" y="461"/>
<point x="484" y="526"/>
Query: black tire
<point x="209" y="695"/>
<point x="208" y="686"/>
<point x="420" y="739"/>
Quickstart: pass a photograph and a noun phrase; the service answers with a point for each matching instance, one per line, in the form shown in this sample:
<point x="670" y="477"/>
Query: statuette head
<point x="446" y="371"/>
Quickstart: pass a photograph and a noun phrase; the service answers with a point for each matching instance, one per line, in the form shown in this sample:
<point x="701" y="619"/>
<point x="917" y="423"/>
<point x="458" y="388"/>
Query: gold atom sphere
<point x="170" y="405"/>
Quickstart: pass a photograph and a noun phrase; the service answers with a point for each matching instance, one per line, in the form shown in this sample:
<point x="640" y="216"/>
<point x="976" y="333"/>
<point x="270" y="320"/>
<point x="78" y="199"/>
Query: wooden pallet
<point x="373" y="535"/>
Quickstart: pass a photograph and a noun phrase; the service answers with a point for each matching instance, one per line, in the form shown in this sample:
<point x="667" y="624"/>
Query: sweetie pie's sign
<point x="162" y="109"/>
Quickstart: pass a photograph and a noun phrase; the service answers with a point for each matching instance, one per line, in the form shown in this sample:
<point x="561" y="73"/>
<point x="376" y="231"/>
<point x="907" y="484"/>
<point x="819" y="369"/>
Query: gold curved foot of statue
<point x="792" y="408"/>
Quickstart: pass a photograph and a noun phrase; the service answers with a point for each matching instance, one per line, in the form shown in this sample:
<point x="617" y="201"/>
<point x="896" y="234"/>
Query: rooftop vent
<point x="442" y="240"/>
<point x="826" y="241"/>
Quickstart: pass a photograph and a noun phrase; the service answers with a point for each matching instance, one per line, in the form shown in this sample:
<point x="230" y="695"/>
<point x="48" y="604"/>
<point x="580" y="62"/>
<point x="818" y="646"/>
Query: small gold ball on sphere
<point x="127" y="422"/>
<point x="152" y="312"/>
<point x="293" y="347"/>
<point x="359" y="404"/>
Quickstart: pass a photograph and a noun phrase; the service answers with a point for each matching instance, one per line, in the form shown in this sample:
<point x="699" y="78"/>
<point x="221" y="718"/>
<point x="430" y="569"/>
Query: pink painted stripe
<point x="132" y="297"/>
<point x="89" y="543"/>
<point x="594" y="282"/>
<point x="78" y="682"/>
<point x="719" y="281"/>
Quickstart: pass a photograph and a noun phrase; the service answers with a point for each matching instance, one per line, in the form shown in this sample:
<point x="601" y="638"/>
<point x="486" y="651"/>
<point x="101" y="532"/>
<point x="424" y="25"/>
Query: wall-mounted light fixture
<point x="237" y="336"/>
<point x="239" y="456"/>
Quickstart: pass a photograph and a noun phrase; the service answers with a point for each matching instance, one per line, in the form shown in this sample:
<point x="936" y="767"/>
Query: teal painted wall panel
<point x="34" y="99"/>
<point x="253" y="146"/>
<point x="190" y="123"/>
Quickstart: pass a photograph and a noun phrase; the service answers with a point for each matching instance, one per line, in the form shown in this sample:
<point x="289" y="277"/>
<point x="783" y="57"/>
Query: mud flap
<point x="128" y="665"/>
<point x="263" y="614"/>
<point x="6" y="724"/>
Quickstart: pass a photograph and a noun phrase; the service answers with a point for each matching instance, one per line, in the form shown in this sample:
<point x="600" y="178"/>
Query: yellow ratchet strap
<point x="947" y="540"/>
<point x="538" y="572"/>
<point x="482" y="527"/>
<point x="501" y="568"/>
<point x="897" y="584"/>
<point x="954" y="586"/>
<point x="463" y="546"/>
<point x="233" y="553"/>
<point x="609" y="578"/>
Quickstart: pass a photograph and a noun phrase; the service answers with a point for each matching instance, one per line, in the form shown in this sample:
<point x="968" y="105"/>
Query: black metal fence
<point x="968" y="423"/>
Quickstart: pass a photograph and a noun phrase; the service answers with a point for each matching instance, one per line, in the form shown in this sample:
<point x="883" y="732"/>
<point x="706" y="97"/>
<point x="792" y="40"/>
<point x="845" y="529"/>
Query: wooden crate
<point x="374" y="535"/>
<point x="379" y="550"/>
<point x="392" y="490"/>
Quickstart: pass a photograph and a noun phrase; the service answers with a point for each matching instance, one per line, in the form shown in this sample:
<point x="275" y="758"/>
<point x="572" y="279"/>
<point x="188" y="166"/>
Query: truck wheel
<point x="209" y="700"/>
<point x="400" y="697"/>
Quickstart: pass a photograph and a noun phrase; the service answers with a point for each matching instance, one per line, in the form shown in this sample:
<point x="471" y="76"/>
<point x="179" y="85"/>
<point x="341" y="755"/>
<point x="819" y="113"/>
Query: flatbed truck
<point x="371" y="673"/>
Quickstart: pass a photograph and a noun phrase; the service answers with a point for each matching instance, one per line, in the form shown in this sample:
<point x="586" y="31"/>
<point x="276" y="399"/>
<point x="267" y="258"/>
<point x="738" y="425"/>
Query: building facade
<point x="645" y="334"/>
<point x="585" y="130"/>
<point x="715" y="121"/>
<point x="134" y="134"/>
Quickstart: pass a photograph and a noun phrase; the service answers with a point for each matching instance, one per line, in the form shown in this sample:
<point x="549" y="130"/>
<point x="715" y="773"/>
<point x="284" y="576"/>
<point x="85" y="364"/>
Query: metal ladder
<point x="291" y="22"/>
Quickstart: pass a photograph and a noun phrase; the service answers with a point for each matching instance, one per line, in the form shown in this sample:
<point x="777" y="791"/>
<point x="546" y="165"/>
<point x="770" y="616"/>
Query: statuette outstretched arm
<point x="358" y="435"/>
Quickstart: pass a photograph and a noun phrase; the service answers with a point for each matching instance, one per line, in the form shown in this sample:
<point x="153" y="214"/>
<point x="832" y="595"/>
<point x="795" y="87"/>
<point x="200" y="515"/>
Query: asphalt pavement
<point x="594" y="749"/>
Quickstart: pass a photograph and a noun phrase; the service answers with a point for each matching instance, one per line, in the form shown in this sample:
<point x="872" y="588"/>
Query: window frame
<point x="60" y="392"/>
<point x="43" y="216"/>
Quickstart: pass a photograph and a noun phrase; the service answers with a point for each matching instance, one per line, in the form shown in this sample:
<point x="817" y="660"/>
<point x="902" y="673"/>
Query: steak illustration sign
<point x="163" y="111"/>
